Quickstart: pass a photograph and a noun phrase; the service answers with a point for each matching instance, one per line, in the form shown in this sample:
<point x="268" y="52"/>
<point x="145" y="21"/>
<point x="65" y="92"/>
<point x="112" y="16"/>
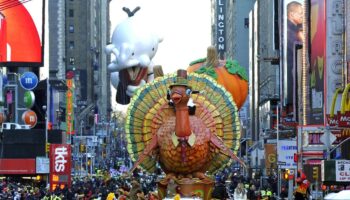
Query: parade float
<point x="189" y="125"/>
<point x="227" y="73"/>
<point x="133" y="48"/>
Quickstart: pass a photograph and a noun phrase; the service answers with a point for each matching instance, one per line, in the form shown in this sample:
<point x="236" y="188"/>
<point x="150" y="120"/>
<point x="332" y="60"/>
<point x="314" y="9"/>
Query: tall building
<point x="78" y="33"/>
<point x="237" y="35"/>
<point x="230" y="35"/>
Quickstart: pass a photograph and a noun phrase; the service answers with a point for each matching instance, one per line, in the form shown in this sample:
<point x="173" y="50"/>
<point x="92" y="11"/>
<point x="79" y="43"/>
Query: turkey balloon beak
<point x="176" y="98"/>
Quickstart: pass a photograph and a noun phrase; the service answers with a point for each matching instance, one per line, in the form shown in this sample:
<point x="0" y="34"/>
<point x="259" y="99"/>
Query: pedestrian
<point x="251" y="195"/>
<point x="135" y="188"/>
<point x="240" y="192"/>
<point x="220" y="191"/>
<point x="178" y="193"/>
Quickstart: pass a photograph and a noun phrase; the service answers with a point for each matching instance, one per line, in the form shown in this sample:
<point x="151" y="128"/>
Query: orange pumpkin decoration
<point x="227" y="73"/>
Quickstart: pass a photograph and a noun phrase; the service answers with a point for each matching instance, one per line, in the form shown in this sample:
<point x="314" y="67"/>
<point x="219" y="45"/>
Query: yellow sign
<point x="69" y="107"/>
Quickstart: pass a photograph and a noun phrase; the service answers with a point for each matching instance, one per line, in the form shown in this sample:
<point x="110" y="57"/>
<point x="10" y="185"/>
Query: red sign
<point x="17" y="166"/>
<point x="3" y="38"/>
<point x="60" y="165"/>
<point x="22" y="32"/>
<point x="332" y="121"/>
<point x="344" y="119"/>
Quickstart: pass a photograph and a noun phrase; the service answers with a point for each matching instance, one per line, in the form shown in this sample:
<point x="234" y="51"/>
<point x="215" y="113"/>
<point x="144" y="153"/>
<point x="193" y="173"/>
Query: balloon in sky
<point x="133" y="46"/>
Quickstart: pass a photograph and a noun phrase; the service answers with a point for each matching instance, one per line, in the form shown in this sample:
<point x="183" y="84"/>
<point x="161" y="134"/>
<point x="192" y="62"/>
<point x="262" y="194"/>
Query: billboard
<point x="336" y="43"/>
<point x="286" y="150"/>
<point x="60" y="165"/>
<point x="17" y="166"/>
<point x="293" y="16"/>
<point x="21" y="33"/>
<point x="270" y="156"/>
<point x="317" y="61"/>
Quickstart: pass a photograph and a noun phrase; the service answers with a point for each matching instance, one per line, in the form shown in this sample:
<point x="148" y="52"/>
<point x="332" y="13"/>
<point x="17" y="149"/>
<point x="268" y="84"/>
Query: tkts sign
<point x="60" y="166"/>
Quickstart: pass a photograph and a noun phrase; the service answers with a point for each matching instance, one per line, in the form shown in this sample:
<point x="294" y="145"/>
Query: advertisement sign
<point x="270" y="156"/>
<point x="70" y="108"/>
<point x="60" y="165"/>
<point x="347" y="30"/>
<point x="286" y="151"/>
<point x="30" y="118"/>
<point x="334" y="72"/>
<point x="17" y="166"/>
<point x="42" y="165"/>
<point x="23" y="33"/>
<point x="28" y="80"/>
<point x="293" y="14"/>
<point x="29" y="99"/>
<point x="342" y="170"/>
<point x="317" y="61"/>
<point x="3" y="38"/>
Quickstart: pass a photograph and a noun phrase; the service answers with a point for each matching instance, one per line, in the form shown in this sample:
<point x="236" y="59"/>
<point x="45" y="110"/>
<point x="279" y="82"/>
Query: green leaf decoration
<point x="233" y="67"/>
<point x="201" y="60"/>
<point x="210" y="71"/>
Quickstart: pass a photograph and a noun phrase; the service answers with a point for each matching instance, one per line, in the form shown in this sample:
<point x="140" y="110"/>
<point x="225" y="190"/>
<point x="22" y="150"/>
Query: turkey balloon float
<point x="133" y="47"/>
<point x="187" y="141"/>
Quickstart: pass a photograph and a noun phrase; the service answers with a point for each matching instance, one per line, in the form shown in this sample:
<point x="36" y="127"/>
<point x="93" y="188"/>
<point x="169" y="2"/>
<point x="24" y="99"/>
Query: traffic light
<point x="315" y="173"/>
<point x="286" y="174"/>
<point x="49" y="125"/>
<point x="47" y="147"/>
<point x="82" y="148"/>
<point x="89" y="161"/>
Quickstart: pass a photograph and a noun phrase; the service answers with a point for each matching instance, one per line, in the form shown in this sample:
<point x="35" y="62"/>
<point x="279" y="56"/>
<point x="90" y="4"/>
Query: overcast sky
<point x="185" y="26"/>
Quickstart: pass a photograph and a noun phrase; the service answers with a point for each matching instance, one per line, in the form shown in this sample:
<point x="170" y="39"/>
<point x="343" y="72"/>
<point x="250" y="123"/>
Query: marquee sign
<point x="60" y="165"/>
<point x="69" y="107"/>
<point x="220" y="26"/>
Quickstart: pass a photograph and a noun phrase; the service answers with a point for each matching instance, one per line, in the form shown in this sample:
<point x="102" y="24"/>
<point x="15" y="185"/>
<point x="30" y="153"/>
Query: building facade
<point x="79" y="31"/>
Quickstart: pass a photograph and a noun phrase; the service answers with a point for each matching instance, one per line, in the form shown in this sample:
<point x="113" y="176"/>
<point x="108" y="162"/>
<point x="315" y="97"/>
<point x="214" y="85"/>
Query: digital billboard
<point x="293" y="16"/>
<point x="317" y="61"/>
<point x="21" y="33"/>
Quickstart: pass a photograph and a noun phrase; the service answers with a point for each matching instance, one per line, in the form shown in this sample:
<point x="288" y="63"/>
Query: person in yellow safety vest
<point x="269" y="193"/>
<point x="111" y="196"/>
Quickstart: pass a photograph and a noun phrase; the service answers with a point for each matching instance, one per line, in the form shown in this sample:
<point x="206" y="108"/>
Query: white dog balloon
<point x="133" y="47"/>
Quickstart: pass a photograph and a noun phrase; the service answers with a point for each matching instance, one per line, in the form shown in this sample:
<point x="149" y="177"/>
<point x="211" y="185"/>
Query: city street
<point x="152" y="99"/>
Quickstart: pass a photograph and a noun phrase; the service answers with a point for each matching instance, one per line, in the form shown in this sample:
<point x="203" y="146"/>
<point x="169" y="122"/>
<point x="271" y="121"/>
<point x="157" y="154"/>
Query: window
<point x="71" y="28"/>
<point x="246" y="22"/>
<point x="71" y="13"/>
<point x="71" y="60"/>
<point x="71" y="44"/>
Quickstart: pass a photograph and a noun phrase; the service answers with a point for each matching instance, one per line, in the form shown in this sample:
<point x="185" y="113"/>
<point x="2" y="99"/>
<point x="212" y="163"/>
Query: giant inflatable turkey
<point x="186" y="139"/>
